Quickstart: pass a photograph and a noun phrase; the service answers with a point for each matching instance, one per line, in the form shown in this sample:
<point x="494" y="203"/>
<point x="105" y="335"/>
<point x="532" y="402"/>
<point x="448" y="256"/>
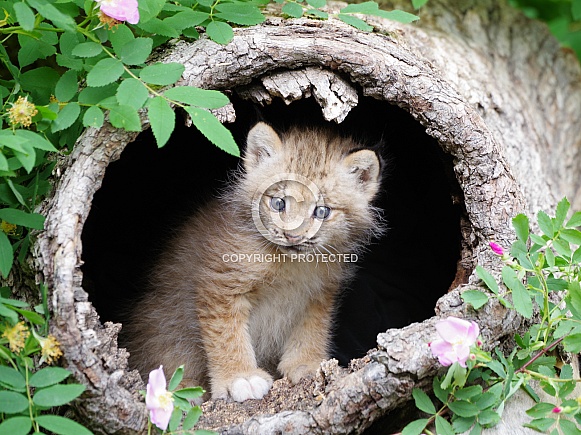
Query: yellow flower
<point x="22" y="112"/>
<point x="50" y="349"/>
<point x="107" y="21"/>
<point x="8" y="228"/>
<point x="16" y="336"/>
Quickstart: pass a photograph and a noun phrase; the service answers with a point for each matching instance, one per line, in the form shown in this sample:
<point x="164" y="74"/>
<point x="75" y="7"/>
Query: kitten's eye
<point x="277" y="204"/>
<point x="321" y="212"/>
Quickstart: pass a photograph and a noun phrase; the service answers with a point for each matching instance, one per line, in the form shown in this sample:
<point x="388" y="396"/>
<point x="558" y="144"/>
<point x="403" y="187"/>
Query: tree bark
<point x="491" y="86"/>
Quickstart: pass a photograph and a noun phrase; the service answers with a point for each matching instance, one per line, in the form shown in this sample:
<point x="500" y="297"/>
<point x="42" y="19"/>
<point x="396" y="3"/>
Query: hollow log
<point x="493" y="88"/>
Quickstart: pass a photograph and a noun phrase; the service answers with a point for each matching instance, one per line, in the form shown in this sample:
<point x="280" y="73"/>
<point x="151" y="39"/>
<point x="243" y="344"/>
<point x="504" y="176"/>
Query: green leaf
<point x="131" y="92"/>
<point x="104" y="72"/>
<point x="190" y="393"/>
<point x="423" y="402"/>
<point x="120" y="36"/>
<point x="317" y="3"/>
<point x="220" y="32"/>
<point x="355" y="22"/>
<point x="176" y="378"/>
<point x="51" y="13"/>
<point x="489" y="418"/>
<point x="6" y="255"/>
<point x="568" y="427"/>
<point x="123" y="116"/>
<point x="96" y="95"/>
<point x="475" y="298"/>
<point x="35" y="140"/>
<point x="463" y="408"/>
<point x="440" y="393"/>
<point x="468" y="392"/>
<point x="61" y="425"/>
<point x="149" y="9"/>
<point x="497" y="368"/>
<point x="443" y="427"/>
<point x="162" y="73"/>
<point x="40" y="82"/>
<point x="545" y="224"/>
<point x="67" y="86"/>
<point x="463" y="424"/>
<point x="521" y="226"/>
<point x="575" y="220"/>
<point x="206" y="98"/>
<point x="561" y="213"/>
<point x="16" y="426"/>
<point x="367" y="8"/>
<point x="174" y="421"/>
<point x="541" y="424"/>
<point x="418" y="3"/>
<point x="520" y="296"/>
<point x="12" y="379"/>
<point x="162" y="119"/>
<point x="397" y="15"/>
<point x="192" y="418"/>
<point x="562" y="247"/>
<point x="415" y="427"/>
<point x="12" y="402"/>
<point x="159" y="27"/>
<point x="571" y="236"/>
<point x="137" y="51"/>
<point x="292" y="10"/>
<point x="488" y="279"/>
<point x="20" y="217"/>
<point x="93" y="117"/>
<point x="48" y="376"/>
<point x="572" y="343"/>
<point x="24" y="16"/>
<point x="87" y="49"/>
<point x="185" y="19"/>
<point x="213" y="129"/>
<point x="66" y="117"/>
<point x="31" y="316"/>
<point x="57" y="395"/>
<point x="245" y="14"/>
<point x="27" y="158"/>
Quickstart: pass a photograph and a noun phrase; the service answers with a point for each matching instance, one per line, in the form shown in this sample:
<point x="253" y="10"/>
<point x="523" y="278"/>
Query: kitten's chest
<point x="281" y="302"/>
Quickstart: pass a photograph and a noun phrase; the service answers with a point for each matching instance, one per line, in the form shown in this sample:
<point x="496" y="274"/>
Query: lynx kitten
<point x="246" y="289"/>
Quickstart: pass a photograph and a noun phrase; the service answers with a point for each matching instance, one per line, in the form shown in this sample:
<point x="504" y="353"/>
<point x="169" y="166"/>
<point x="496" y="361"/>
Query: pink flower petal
<point x="453" y="329"/>
<point x="442" y="350"/>
<point x="496" y="248"/>
<point x="160" y="417"/>
<point x="121" y="10"/>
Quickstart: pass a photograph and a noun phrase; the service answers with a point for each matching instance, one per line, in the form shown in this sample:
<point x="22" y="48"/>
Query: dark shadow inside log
<point x="149" y="191"/>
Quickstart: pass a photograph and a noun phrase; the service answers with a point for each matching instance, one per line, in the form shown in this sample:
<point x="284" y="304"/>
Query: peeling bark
<point x="492" y="87"/>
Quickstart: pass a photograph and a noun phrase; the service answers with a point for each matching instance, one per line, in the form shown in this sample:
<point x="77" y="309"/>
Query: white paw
<point x="253" y="387"/>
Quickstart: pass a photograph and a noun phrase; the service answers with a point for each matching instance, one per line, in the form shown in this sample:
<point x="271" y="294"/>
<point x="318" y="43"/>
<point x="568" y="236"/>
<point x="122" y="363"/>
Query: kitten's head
<point x="310" y="190"/>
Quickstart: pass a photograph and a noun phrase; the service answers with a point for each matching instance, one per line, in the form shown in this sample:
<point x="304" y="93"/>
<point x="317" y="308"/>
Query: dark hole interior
<point x="147" y="193"/>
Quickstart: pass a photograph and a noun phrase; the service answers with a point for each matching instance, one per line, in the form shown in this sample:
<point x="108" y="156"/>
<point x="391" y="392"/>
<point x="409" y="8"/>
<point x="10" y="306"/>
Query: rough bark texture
<point x="492" y="87"/>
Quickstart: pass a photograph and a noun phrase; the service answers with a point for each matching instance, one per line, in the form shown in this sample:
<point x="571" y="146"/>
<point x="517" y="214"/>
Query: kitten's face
<point x="310" y="190"/>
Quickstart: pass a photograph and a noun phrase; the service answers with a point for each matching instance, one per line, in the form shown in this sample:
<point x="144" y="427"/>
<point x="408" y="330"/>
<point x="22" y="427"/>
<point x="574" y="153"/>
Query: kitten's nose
<point x="292" y="238"/>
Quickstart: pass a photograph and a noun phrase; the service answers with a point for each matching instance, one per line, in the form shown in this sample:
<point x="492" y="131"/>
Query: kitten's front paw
<point x="254" y="387"/>
<point x="296" y="373"/>
<point x="246" y="386"/>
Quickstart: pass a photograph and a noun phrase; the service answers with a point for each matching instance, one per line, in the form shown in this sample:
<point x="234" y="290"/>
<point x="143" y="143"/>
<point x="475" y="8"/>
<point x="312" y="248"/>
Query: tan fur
<point x="236" y="324"/>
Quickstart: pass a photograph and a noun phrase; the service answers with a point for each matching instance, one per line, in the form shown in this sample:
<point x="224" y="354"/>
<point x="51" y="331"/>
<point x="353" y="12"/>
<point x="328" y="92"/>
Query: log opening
<point x="148" y="192"/>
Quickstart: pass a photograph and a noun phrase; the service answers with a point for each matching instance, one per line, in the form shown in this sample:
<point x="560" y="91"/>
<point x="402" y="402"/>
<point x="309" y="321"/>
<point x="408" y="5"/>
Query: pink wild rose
<point x="121" y="10"/>
<point x="496" y="248"/>
<point x="158" y="400"/>
<point x="457" y="335"/>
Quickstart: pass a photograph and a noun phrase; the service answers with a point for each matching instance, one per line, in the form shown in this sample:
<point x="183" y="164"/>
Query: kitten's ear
<point x="365" y="165"/>
<point x="262" y="142"/>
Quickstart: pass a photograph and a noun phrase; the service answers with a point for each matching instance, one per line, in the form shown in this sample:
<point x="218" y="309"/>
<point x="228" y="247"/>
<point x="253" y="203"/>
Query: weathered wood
<point x="492" y="87"/>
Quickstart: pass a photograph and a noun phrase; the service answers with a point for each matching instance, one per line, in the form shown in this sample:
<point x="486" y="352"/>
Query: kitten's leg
<point x="231" y="360"/>
<point x="308" y="343"/>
